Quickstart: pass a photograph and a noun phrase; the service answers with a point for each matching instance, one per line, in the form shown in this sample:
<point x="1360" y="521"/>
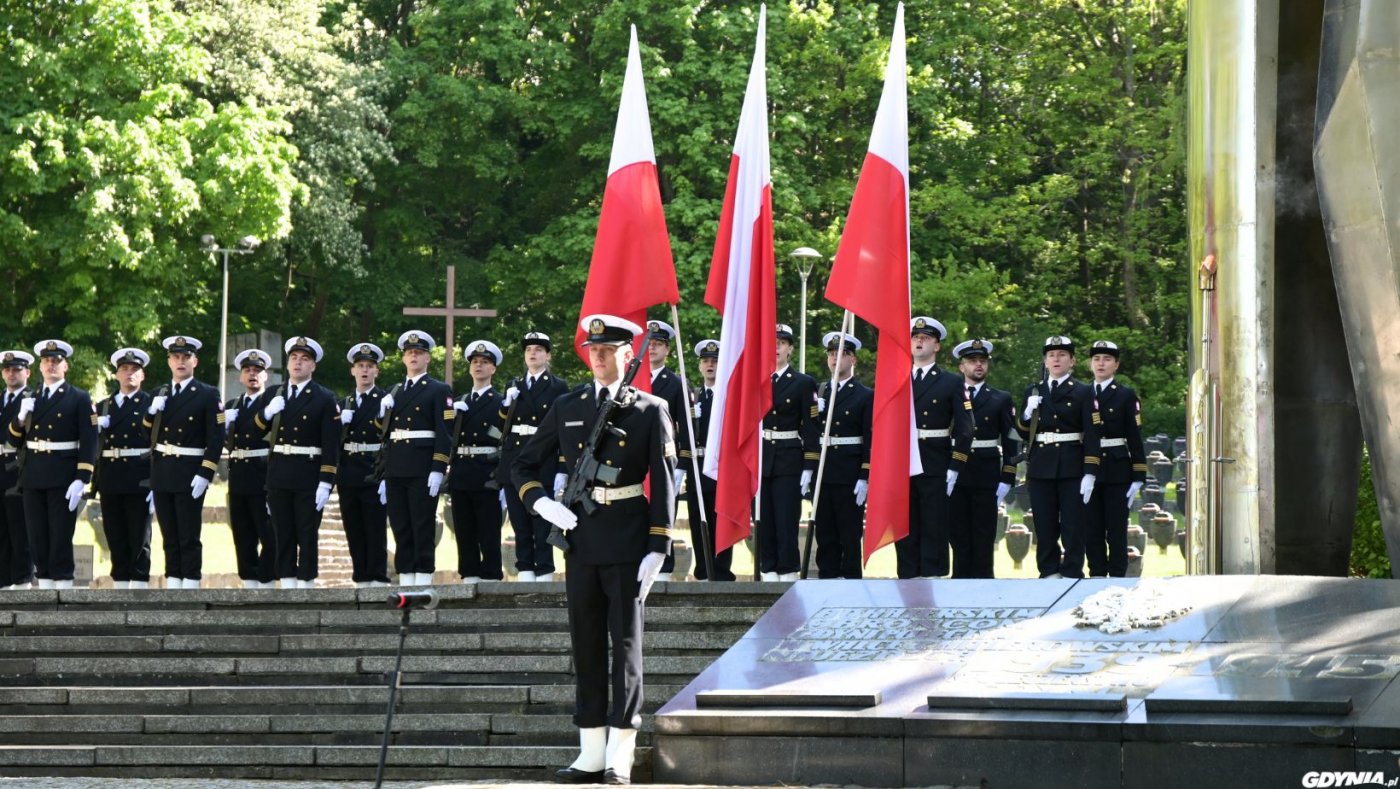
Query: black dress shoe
<point x="571" y="776"/>
<point x="614" y="778"/>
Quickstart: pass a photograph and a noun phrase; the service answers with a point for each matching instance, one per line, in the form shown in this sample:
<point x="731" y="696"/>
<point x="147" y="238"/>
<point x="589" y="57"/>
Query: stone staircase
<point x="290" y="684"/>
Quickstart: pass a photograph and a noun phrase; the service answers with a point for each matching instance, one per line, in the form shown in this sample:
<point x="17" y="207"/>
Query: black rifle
<point x="164" y="391"/>
<point x="17" y="465"/>
<point x="1025" y="454"/>
<point x="589" y="468"/>
<point x="276" y="427"/>
<point x="380" y="457"/>
<point x="102" y="444"/>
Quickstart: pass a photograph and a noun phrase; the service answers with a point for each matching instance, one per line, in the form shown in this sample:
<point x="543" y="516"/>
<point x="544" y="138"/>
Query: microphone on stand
<point x="426" y="600"/>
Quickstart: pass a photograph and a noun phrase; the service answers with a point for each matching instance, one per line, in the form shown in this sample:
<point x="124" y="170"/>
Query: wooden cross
<point x="451" y="312"/>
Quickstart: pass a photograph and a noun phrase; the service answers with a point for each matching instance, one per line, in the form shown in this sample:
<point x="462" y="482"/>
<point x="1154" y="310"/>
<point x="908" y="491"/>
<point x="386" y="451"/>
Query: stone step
<point x="297" y="762"/>
<point x="327" y="699"/>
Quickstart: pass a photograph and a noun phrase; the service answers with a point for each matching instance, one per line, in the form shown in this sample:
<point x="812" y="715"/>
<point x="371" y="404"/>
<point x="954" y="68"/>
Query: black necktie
<point x="247" y="402"/>
<point x="359" y="399"/>
<point x="604" y="396"/>
<point x="294" y="392"/>
<point x="1053" y="386"/>
<point x="43" y="394"/>
<point x="1098" y="389"/>
<point x="971" y="392"/>
<point x="775" y="377"/>
<point x="530" y="382"/>
<point x="920" y="375"/>
<point x="475" y="396"/>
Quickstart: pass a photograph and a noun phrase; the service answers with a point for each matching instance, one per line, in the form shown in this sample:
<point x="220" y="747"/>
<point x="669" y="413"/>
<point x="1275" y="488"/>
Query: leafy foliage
<point x="1368" y="553"/>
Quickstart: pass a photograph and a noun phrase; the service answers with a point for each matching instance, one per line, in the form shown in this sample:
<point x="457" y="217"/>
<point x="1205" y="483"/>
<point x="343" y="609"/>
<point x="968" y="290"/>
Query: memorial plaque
<point x="1173" y="669"/>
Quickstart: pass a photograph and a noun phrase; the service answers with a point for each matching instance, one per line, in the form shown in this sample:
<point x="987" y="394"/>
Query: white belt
<point x="7" y="450"/>
<point x="780" y="435"/>
<point x="409" y="435"/>
<point x="609" y="495"/>
<point x="131" y="452"/>
<point x="244" y="454"/>
<point x="1113" y="442"/>
<point x="842" y="441"/>
<point x="1058" y="438"/>
<point x="524" y="430"/>
<point x="171" y="449"/>
<point x="354" y="447"/>
<point x="39" y="445"/>
<point x="288" y="449"/>
<point x="944" y="433"/>
<point x="990" y="443"/>
<point x="469" y="451"/>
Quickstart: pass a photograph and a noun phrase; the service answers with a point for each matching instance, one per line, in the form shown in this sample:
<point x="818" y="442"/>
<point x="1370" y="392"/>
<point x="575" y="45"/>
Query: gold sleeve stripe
<point x="1139" y="420"/>
<point x="85" y="467"/>
<point x="959" y="456"/>
<point x="661" y="531"/>
<point x="15" y="432"/>
<point x="94" y="419"/>
<point x="1091" y="460"/>
<point x="447" y="415"/>
<point x="209" y="464"/>
<point x="528" y="486"/>
<point x="1008" y="469"/>
<point x="328" y="469"/>
<point x="258" y="420"/>
<point x="685" y="453"/>
<point x="219" y="417"/>
<point x="1139" y="467"/>
<point x="811" y="455"/>
<point x="967" y="404"/>
<point x="439" y="456"/>
<point x="865" y="466"/>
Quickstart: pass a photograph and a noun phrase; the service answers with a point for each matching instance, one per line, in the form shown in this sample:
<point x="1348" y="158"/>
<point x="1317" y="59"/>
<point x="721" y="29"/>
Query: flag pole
<point x="704" y="546"/>
<point x="758" y="508"/>
<point x="846" y="320"/>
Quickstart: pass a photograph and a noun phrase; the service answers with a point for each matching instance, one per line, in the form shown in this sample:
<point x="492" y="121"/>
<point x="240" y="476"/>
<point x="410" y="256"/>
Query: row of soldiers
<point x="392" y="453"/>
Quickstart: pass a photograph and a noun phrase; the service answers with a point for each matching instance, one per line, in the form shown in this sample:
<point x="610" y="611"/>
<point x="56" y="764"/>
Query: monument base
<point x="1261" y="681"/>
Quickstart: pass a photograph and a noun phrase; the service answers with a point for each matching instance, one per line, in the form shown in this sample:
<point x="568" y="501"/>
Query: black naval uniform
<point x="123" y="463"/>
<point x="666" y="385"/>
<point x="725" y="559"/>
<point x="16" y="561"/>
<point x="1122" y="461"/>
<point x="839" y="521"/>
<point x="366" y="526"/>
<point x="305" y="452"/>
<point x="972" y="509"/>
<point x="192" y="420"/>
<point x="476" y="496"/>
<point x="423" y="408"/>
<point x="67" y="418"/>
<point x="608" y="546"/>
<point x="790" y="433"/>
<point x="1054" y="472"/>
<point x="254" y="541"/>
<point x="531" y="406"/>
<point x="944" y="421"/>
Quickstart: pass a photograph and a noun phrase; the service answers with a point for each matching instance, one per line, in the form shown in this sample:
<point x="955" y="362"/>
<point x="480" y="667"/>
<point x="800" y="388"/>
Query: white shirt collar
<point x="928" y="368"/>
<point x="976" y="388"/>
<point x="482" y="390"/>
<point x="414" y="380"/>
<point x="781" y="370"/>
<point x="1061" y="379"/>
<point x="1103" y="384"/>
<point x="612" y="388"/>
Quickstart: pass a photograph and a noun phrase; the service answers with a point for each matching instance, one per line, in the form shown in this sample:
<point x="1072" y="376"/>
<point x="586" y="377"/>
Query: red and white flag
<point x="741" y="288"/>
<point x="870" y="277"/>
<point x="632" y="268"/>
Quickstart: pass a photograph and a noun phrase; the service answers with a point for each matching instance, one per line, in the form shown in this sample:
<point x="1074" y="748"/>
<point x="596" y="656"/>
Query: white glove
<point x="560" y="480"/>
<point x="1032" y="403"/>
<point x="556" y="513"/>
<point x="74" y="495"/>
<point x="1003" y="488"/>
<point x="1133" y="491"/>
<point x="460" y="405"/>
<point x="805" y="482"/>
<point x="347" y="416"/>
<point x="821" y="405"/>
<point x="862" y="490"/>
<point x="434" y="482"/>
<point x="677" y="478"/>
<point x="323" y="495"/>
<point x="230" y="414"/>
<point x="511" y="394"/>
<point x="151" y="502"/>
<point x="198" y="486"/>
<point x="104" y="422"/>
<point x="952" y="480"/>
<point x="646" y="573"/>
<point x="502" y="496"/>
<point x="157" y="405"/>
<point x="274" y="407"/>
<point x="386" y="404"/>
<point x="1086" y="487"/>
<point x="383" y="494"/>
<point x="695" y="409"/>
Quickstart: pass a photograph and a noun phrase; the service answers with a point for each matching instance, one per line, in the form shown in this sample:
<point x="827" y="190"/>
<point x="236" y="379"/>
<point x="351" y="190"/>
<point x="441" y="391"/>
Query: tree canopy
<point x="372" y="144"/>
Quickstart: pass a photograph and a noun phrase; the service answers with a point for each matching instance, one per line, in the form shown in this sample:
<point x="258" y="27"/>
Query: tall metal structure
<point x="1296" y="313"/>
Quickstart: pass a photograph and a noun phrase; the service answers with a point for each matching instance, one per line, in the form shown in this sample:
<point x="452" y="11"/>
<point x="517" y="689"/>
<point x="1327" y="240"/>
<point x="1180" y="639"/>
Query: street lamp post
<point x="246" y="246"/>
<point x="808" y="260"/>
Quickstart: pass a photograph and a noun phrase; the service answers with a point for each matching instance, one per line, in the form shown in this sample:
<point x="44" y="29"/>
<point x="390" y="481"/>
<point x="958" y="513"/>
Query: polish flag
<point x="741" y="288"/>
<point x="870" y="277"/>
<point x="632" y="268"/>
